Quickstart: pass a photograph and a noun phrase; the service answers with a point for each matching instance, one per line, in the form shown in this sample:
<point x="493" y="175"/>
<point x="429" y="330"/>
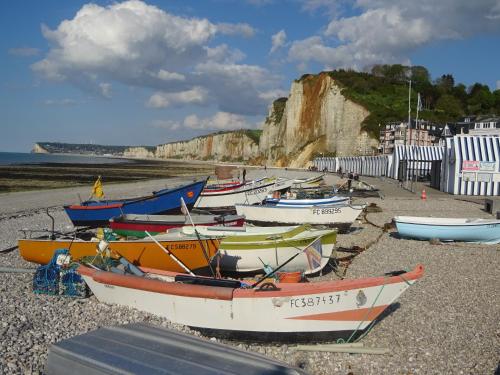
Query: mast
<point x="406" y="130"/>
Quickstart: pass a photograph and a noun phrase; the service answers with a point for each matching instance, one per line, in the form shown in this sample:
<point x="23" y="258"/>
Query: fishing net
<point x="71" y="283"/>
<point x="46" y="278"/>
<point x="59" y="277"/>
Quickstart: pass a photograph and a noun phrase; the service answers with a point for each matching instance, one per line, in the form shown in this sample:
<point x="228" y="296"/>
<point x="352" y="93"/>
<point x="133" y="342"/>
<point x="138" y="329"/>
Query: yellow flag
<point x="97" y="189"/>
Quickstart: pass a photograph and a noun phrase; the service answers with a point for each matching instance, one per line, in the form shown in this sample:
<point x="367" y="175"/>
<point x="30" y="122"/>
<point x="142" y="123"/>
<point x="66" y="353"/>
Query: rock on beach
<point x="447" y="323"/>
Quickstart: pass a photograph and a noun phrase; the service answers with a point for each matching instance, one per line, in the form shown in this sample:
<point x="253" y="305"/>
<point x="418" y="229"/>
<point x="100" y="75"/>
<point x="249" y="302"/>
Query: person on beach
<point x="349" y="180"/>
<point x="244" y="174"/>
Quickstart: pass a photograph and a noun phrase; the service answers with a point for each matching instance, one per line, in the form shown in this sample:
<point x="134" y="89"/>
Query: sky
<point x="151" y="72"/>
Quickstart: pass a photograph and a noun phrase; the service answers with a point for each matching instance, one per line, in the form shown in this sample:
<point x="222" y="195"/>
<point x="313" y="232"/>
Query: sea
<point x="9" y="158"/>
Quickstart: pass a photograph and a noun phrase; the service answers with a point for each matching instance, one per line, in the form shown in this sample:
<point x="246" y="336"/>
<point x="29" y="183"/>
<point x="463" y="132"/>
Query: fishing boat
<point x="262" y="310"/>
<point x="279" y="202"/>
<point x="166" y="201"/>
<point x="146" y="252"/>
<point x="449" y="229"/>
<point x="132" y="225"/>
<point x="250" y="193"/>
<point x="308" y="183"/>
<point x="340" y="216"/>
<point x="247" y="253"/>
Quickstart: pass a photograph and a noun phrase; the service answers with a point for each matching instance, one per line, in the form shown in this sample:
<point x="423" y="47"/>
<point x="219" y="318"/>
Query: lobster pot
<point x="409" y="162"/>
<point x="471" y="166"/>
<point x="362" y="165"/>
<point x="46" y="280"/>
<point x="71" y="284"/>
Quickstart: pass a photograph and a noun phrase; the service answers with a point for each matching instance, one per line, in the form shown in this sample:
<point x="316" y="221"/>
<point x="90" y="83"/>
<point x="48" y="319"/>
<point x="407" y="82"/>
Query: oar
<point x="282" y="265"/>
<point x="170" y="254"/>
<point x="205" y="253"/>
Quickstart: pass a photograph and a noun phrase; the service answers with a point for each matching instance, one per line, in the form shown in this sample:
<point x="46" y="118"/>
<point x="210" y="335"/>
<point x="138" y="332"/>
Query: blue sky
<point x="136" y="72"/>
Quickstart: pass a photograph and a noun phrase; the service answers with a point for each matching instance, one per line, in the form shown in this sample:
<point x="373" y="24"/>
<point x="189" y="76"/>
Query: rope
<point x="370" y="326"/>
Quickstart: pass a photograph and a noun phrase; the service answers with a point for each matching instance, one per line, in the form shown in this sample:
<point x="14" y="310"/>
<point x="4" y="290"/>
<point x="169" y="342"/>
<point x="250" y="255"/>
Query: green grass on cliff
<point x="384" y="92"/>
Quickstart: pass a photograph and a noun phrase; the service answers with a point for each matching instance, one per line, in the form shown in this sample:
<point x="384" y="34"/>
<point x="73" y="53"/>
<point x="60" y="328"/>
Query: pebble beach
<point x="447" y="323"/>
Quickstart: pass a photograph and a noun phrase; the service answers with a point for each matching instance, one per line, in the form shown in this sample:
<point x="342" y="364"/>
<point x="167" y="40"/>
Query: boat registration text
<point x="326" y="211"/>
<point x="314" y="301"/>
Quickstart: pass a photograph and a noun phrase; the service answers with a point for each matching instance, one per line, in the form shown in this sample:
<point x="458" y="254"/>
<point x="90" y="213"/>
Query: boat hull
<point x="167" y="201"/>
<point x="137" y="225"/>
<point x="488" y="233"/>
<point x="247" y="194"/>
<point x="287" y="308"/>
<point x="339" y="216"/>
<point x="144" y="253"/>
<point x="249" y="257"/>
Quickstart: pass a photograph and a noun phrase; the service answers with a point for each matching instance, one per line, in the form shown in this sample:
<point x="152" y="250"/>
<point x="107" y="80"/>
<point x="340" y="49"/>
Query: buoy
<point x="423" y="196"/>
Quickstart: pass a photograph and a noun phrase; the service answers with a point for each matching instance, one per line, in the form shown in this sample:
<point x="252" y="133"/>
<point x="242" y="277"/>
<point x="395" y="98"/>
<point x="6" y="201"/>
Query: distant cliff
<point x="225" y="146"/>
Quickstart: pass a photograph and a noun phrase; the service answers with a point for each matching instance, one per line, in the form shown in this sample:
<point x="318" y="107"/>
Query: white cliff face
<point x="315" y="112"/>
<point x="235" y="146"/>
<point x="138" y="152"/>
<point x="37" y="149"/>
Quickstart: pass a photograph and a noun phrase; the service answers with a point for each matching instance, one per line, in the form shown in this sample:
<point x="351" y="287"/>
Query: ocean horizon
<point x="12" y="158"/>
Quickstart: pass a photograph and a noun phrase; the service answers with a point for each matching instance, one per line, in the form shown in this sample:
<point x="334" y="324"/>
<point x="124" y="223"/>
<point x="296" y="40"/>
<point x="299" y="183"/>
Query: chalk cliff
<point x="37" y="149"/>
<point x="236" y="146"/>
<point x="139" y="152"/>
<point x="315" y="118"/>
<point x="239" y="145"/>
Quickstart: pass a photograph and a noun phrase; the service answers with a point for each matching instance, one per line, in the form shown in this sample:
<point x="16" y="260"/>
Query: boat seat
<point x="186" y="279"/>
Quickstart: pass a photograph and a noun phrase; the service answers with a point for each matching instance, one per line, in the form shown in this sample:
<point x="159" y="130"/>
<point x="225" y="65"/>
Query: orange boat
<point x="145" y="252"/>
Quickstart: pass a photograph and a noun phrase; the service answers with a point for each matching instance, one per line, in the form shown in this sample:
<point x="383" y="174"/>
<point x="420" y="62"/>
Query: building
<point x="423" y="133"/>
<point x="486" y="125"/>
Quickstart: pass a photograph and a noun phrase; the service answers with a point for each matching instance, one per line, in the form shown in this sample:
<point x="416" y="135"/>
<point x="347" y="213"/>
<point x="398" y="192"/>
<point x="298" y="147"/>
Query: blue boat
<point x="307" y="202"/>
<point x="446" y="229"/>
<point x="167" y="201"/>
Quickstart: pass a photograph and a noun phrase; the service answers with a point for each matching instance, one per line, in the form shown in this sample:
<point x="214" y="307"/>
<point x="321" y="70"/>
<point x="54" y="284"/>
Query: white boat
<point x="278" y="202"/>
<point x="340" y="216"/>
<point x="308" y="183"/>
<point x="328" y="309"/>
<point x="250" y="249"/>
<point x="249" y="193"/>
<point x="449" y="229"/>
<point x="253" y="253"/>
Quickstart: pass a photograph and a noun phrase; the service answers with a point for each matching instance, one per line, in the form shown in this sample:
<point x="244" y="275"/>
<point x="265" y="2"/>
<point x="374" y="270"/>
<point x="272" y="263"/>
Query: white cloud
<point x="237" y="87"/>
<point x="24" y="51"/>
<point x="243" y="29"/>
<point x="278" y="40"/>
<point x="219" y="121"/>
<point x="224" y="54"/>
<point x="197" y="95"/>
<point x="141" y="45"/>
<point x="498" y="84"/>
<point x="170" y="76"/>
<point x="382" y="32"/>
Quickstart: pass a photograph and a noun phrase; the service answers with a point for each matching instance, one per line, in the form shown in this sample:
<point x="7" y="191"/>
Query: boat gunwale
<point x="231" y="294"/>
<point x="237" y="191"/>
<point x="465" y="223"/>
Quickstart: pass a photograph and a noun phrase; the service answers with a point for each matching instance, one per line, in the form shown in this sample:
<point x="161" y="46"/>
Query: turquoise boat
<point x="449" y="229"/>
